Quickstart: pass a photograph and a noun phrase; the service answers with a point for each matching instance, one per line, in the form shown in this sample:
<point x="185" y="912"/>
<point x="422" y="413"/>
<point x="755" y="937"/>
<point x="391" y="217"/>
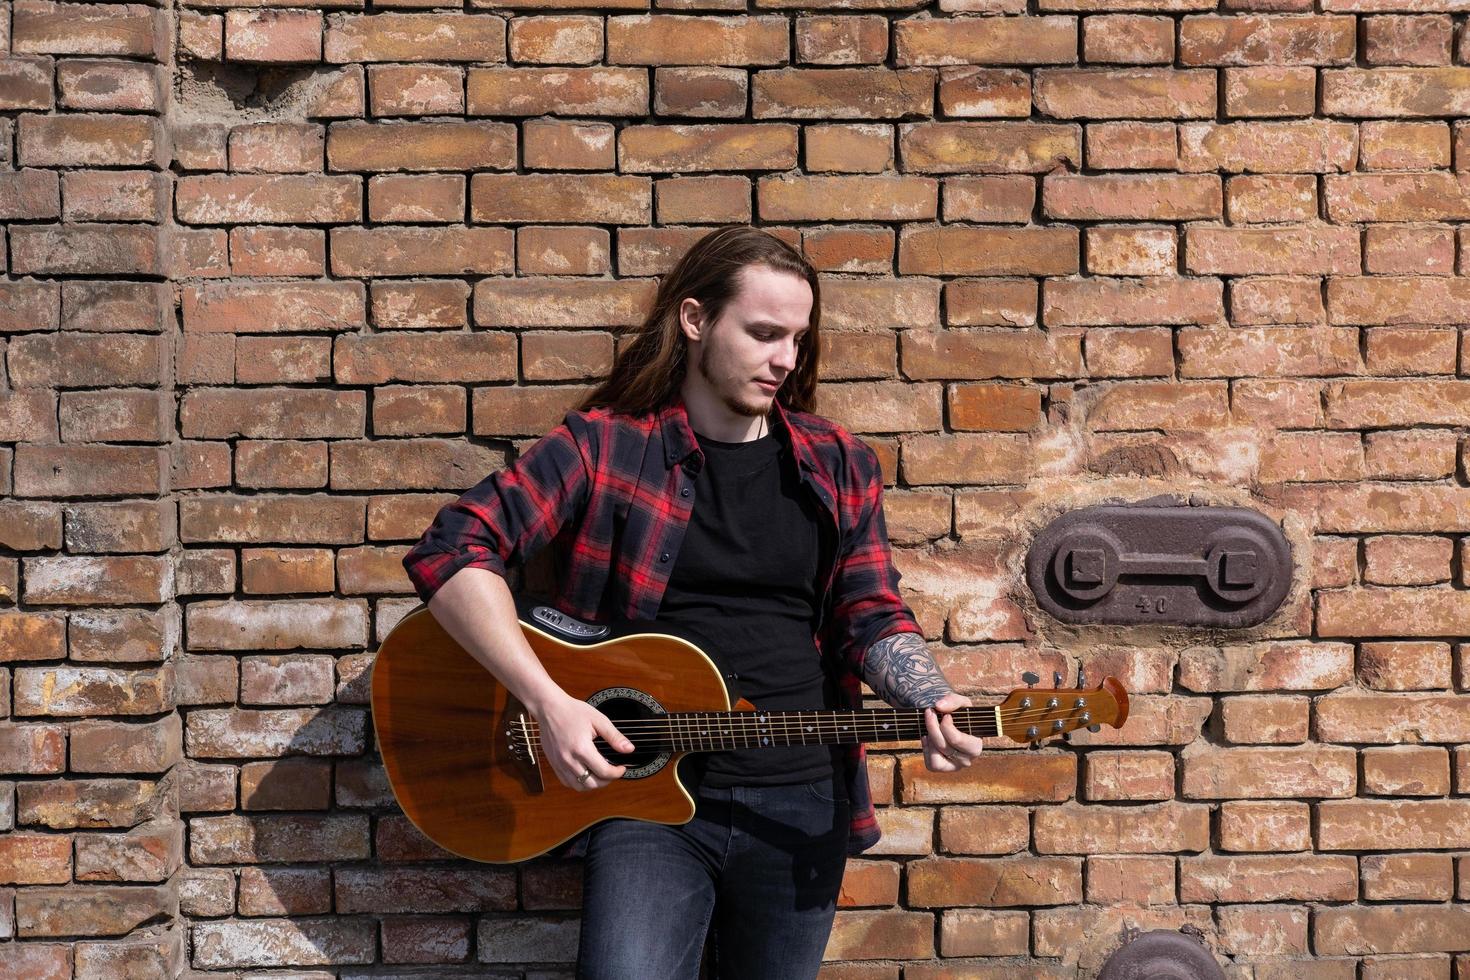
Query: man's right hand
<point x="568" y="727"/>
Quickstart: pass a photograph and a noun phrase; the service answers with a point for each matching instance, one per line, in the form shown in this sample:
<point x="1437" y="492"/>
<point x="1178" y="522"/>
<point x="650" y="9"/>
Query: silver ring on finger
<point x="586" y="775"/>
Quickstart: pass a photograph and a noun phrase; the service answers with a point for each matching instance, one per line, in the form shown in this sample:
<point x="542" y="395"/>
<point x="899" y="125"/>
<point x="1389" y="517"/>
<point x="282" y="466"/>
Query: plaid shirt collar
<point x="680" y="441"/>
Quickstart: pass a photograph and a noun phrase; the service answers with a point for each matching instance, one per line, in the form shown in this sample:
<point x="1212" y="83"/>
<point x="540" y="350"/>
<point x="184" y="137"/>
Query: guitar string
<point x="867" y="716"/>
<point x="743" y="719"/>
<point x="674" y="726"/>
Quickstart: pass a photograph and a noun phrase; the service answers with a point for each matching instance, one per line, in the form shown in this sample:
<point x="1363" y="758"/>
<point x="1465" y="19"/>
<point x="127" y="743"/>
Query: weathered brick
<point x="1273" y="826"/>
<point x="1238" y="773"/>
<point x="101" y="581"/>
<point x="999" y="777"/>
<point x="150" y="852"/>
<point x="421" y="251"/>
<point x="1390" y="929"/>
<point x="936" y="882"/>
<point x="269" y="199"/>
<point x="272" y="413"/>
<point x="73" y="28"/>
<point x="273" y="36"/>
<point x="533" y="302"/>
<point x="696" y="148"/>
<point x="1160" y="828"/>
<point x="127" y="747"/>
<point x="421" y="146"/>
<point x="1392" y="824"/>
<point x="1164" y="197"/>
<point x="414" y="37"/>
<point x="277" y="625"/>
<point x="680" y="40"/>
<point x="988" y="147"/>
<point x="69" y="804"/>
<point x="1132" y="93"/>
<point x="260" y="519"/>
<point x="1268" y="878"/>
<point x="35" y="859"/>
<point x="276" y="839"/>
<point x="68" y="691"/>
<point x="286" y="784"/>
<point x="98" y="910"/>
<point x="273" y="308"/>
<point x="285" y="891"/>
<point x="283" y="942"/>
<point x="958" y="250"/>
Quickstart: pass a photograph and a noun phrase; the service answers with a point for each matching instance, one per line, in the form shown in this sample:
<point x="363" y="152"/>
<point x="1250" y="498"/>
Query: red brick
<point x="1312" y="771"/>
<point x="556" y="39"/>
<point x="1390" y="929"/>
<point x="1130" y="880"/>
<point x="985" y="829"/>
<point x="32" y="749"/>
<point x="421" y="146"/>
<point x="1132" y="146"/>
<point x="964" y="41"/>
<point x="425" y="939"/>
<point x="98" y="910"/>
<point x="486" y="889"/>
<point x="706" y="40"/>
<point x="75" y="28"/>
<point x="1272" y="826"/>
<point x="996" y="777"/>
<point x="273" y="308"/>
<point x="1133" y="93"/>
<point x="110" y="580"/>
<point x="277" y="464"/>
<point x="1423" y="40"/>
<point x="556" y="144"/>
<point x="285" y="891"/>
<point x="151" y="852"/>
<point x="422" y="251"/>
<point x="895" y="934"/>
<point x="1127" y="38"/>
<point x="415" y="90"/>
<point x="273" y="36"/>
<point x="279" y="625"/>
<point x="416" y="197"/>
<point x="1391" y="718"/>
<point x="1267" y="931"/>
<point x="415" y="37"/>
<point x="1265" y="720"/>
<point x="988" y="251"/>
<point x="1250" y="40"/>
<point x="936" y="882"/>
<point x="278" y="252"/>
<point x="1392" y="824"/>
<point x="1268" y="878"/>
<point x="1159" y="828"/>
<point x="272" y="413"/>
<point x="983" y="932"/>
<point x="988" y="147"/>
<point x="1408" y="877"/>
<point x="1394" y="91"/>
<point x="842" y="40"/>
<point x="968" y="91"/>
<point x="283" y="942"/>
<point x="1128" y="775"/>
<point x="315" y="519"/>
<point x="35" y="859"/>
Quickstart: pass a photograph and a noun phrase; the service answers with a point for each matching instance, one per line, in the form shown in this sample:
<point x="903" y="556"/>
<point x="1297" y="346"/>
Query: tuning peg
<point x="1030" y="678"/>
<point x="1034" y="745"/>
<point x="1056" y="679"/>
<point x="1094" y="728"/>
<point x="1081" y="683"/>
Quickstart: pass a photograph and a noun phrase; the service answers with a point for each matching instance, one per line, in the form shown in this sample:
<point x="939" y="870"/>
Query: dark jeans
<point x="759" y="867"/>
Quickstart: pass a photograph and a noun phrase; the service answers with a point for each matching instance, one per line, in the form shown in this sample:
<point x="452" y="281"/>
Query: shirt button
<point x="684" y="492"/>
<point x="664" y="556"/>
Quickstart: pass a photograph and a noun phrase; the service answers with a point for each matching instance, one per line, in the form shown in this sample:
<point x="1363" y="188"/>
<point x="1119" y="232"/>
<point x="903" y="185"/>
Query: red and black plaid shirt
<point x="613" y="494"/>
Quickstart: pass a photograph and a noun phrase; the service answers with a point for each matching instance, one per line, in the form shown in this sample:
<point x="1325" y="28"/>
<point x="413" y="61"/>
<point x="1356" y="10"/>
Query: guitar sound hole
<point x="631" y="711"/>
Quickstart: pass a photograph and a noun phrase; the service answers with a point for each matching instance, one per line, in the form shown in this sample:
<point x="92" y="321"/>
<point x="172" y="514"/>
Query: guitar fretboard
<point x="715" y="731"/>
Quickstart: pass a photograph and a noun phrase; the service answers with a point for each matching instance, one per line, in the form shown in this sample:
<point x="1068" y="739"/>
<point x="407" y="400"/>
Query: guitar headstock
<point x="1031" y="714"/>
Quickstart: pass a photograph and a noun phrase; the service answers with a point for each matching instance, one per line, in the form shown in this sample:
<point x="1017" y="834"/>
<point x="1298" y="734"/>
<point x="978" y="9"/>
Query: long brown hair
<point x="650" y="368"/>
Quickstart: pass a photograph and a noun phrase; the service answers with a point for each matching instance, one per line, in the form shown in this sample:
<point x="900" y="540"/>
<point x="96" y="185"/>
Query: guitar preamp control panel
<point x="560" y="622"/>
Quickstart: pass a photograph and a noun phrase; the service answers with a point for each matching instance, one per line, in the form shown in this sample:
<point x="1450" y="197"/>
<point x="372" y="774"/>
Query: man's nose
<point x="786" y="355"/>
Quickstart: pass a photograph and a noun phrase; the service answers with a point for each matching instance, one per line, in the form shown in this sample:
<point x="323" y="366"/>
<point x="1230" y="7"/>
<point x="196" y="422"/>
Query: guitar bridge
<point x="520" y="738"/>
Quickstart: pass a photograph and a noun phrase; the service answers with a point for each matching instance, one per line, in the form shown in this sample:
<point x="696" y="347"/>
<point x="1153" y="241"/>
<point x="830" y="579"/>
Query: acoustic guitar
<point x="464" y="758"/>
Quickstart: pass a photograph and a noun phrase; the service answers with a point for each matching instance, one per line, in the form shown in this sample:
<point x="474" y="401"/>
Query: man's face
<point x="745" y="356"/>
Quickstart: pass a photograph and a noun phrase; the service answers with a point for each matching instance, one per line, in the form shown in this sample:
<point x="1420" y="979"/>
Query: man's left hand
<point x="946" y="748"/>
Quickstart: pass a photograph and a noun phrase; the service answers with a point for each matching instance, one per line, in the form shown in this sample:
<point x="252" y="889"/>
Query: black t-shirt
<point x="744" y="588"/>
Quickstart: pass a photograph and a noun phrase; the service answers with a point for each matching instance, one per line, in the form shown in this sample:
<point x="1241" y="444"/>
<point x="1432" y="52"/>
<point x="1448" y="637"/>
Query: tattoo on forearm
<point x="902" y="671"/>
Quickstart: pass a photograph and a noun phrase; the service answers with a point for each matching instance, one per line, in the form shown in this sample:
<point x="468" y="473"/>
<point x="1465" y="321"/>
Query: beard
<point x="704" y="366"/>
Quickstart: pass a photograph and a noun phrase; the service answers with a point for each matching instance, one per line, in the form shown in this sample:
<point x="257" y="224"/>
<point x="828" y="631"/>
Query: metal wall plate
<point x="1180" y="566"/>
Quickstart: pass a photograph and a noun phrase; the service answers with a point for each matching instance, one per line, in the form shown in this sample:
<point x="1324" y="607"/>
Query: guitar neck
<point x="716" y="731"/>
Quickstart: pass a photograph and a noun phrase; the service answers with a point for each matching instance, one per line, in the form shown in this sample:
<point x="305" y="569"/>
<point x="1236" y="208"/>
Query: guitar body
<point x="447" y="732"/>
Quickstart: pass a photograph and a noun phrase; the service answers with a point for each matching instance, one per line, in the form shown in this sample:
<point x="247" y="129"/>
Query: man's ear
<point x="691" y="319"/>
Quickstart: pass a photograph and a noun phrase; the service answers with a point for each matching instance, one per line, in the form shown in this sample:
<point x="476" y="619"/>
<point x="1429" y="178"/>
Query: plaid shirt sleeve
<point x="866" y="605"/>
<point x="508" y="516"/>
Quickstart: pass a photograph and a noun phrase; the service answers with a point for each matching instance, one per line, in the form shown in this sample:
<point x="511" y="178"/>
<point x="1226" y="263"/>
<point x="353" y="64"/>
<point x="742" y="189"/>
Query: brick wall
<point x="278" y="282"/>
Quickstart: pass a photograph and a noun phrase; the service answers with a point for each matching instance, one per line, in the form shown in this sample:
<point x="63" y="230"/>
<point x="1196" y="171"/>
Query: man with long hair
<point x="695" y="488"/>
